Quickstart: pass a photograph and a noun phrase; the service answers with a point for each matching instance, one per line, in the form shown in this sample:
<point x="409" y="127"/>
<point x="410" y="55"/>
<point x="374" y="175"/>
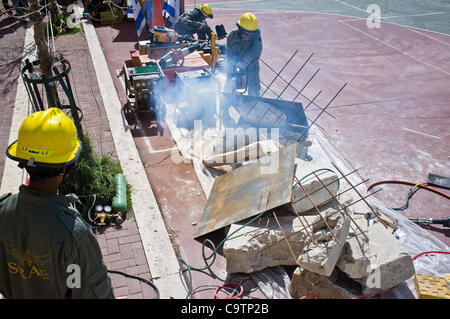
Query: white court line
<point x="397" y="49"/>
<point x="416" y="15"/>
<point x="424" y="134"/>
<point x="351" y="6"/>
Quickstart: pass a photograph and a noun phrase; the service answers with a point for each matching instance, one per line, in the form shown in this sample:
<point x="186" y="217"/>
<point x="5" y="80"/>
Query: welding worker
<point x="244" y="47"/>
<point x="194" y="22"/>
<point x="46" y="249"/>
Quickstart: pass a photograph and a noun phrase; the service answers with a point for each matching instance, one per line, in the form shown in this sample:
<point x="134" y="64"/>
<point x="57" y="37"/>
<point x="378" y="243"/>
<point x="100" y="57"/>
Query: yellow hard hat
<point x="248" y="22"/>
<point x="206" y="10"/>
<point x="46" y="138"/>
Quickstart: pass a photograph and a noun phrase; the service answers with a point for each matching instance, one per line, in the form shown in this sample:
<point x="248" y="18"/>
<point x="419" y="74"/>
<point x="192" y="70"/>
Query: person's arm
<point x="255" y="52"/>
<point x="94" y="282"/>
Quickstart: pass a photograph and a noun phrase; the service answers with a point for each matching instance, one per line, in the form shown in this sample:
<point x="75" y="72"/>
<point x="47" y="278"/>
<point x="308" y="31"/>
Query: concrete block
<point x="322" y="255"/>
<point x="378" y="263"/>
<point x="390" y="264"/>
<point x="305" y="282"/>
<point x="241" y="250"/>
<point x="318" y="194"/>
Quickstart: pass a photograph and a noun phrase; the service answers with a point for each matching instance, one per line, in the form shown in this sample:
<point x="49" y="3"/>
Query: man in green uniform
<point x="46" y="249"/>
<point x="244" y="47"/>
<point x="194" y="22"/>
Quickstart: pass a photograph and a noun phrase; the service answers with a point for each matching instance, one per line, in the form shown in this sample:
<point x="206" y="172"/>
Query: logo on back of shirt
<point x="26" y="264"/>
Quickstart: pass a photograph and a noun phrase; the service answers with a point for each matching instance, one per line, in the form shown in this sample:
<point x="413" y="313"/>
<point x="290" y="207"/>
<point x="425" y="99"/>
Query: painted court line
<point x="395" y="48"/>
<point x="420" y="133"/>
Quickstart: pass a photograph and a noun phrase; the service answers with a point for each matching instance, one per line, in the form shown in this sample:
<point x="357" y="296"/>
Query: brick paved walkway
<point x="121" y="247"/>
<point x="12" y="35"/>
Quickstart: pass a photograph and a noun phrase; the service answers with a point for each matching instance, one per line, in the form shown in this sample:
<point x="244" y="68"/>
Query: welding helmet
<point x="248" y="22"/>
<point x="46" y="139"/>
<point x="206" y="10"/>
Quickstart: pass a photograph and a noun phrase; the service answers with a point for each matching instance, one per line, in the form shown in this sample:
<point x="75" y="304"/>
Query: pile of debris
<point x="314" y="219"/>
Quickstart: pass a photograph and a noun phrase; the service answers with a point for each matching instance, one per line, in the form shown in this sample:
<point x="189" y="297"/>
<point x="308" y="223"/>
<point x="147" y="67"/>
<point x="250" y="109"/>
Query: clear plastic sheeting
<point x="273" y="282"/>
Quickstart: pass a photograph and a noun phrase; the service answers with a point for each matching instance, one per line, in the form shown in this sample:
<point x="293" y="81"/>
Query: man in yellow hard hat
<point x="46" y="249"/>
<point x="194" y="22"/>
<point x="244" y="47"/>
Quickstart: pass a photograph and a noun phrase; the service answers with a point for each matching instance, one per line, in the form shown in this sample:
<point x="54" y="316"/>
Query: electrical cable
<point x="213" y="254"/>
<point x="419" y="185"/>
<point x="229" y="284"/>
<point x="412" y="191"/>
<point x="318" y="170"/>
<point x="137" y="278"/>
<point x="430" y="252"/>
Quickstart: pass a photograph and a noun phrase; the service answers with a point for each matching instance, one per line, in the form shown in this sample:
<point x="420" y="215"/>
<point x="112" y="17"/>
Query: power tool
<point x="160" y="34"/>
<point x="239" y="80"/>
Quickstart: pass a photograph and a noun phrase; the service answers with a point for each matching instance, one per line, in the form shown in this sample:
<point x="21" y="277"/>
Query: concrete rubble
<point x="373" y="262"/>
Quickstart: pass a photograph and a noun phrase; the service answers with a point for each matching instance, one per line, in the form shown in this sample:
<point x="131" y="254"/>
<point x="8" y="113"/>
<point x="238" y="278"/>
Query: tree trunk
<point x="45" y="59"/>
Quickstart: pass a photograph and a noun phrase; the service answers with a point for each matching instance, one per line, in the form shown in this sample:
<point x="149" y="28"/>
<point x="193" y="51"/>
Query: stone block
<point x="241" y="250"/>
<point x="321" y="255"/>
<point x="305" y="282"/>
<point x="380" y="262"/>
<point x="318" y="194"/>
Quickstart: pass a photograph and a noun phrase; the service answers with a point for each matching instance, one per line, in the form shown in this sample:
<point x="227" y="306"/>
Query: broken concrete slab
<point x="390" y="264"/>
<point x="321" y="255"/>
<point x="318" y="194"/>
<point x="262" y="244"/>
<point x="241" y="250"/>
<point x="251" y="151"/>
<point x="380" y="262"/>
<point x="305" y="282"/>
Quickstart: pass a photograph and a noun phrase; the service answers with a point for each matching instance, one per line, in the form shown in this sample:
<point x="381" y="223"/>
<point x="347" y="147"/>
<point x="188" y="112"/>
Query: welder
<point x="47" y="250"/>
<point x="194" y="22"/>
<point x="244" y="47"/>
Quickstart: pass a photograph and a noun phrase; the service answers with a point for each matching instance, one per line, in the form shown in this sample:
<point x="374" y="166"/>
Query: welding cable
<point x="430" y="252"/>
<point x="229" y="284"/>
<point x="318" y="170"/>
<point x="213" y="254"/>
<point x="310" y="295"/>
<point x="137" y="278"/>
<point x="417" y="185"/>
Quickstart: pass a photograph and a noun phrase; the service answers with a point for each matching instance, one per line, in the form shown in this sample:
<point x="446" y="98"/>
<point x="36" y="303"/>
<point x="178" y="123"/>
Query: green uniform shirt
<point x="47" y="250"/>
<point x="189" y="23"/>
<point x="250" y="51"/>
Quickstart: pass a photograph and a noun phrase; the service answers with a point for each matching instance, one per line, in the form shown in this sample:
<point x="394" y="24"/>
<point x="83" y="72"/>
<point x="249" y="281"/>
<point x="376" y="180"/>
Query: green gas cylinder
<point x="119" y="203"/>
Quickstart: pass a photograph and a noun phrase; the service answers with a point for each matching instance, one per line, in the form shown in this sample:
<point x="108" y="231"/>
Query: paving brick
<point x="112" y="246"/>
<point x="121" y="292"/>
<point x="133" y="285"/>
<point x="113" y="257"/>
<point x="135" y="296"/>
<point x="121" y="264"/>
<point x="118" y="280"/>
<point x="139" y="257"/>
<point x="126" y="251"/>
<point x="129" y="239"/>
<point x="136" y="270"/>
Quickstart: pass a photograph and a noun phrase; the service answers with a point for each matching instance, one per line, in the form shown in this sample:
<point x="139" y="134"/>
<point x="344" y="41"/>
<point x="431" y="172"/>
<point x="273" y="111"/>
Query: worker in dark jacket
<point x="194" y="22"/>
<point x="244" y="47"/>
<point x="46" y="249"/>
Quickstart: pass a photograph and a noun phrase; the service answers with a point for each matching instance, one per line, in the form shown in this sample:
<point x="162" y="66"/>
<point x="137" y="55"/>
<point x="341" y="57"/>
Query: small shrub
<point x="93" y="174"/>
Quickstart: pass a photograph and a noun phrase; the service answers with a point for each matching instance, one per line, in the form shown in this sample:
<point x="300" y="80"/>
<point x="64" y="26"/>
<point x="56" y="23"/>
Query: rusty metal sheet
<point x="249" y="190"/>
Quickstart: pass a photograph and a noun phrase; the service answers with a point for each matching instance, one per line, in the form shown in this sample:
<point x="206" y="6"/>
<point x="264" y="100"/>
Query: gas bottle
<point x="119" y="202"/>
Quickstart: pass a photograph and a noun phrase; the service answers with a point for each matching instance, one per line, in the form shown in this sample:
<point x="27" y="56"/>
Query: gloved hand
<point x="242" y="64"/>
